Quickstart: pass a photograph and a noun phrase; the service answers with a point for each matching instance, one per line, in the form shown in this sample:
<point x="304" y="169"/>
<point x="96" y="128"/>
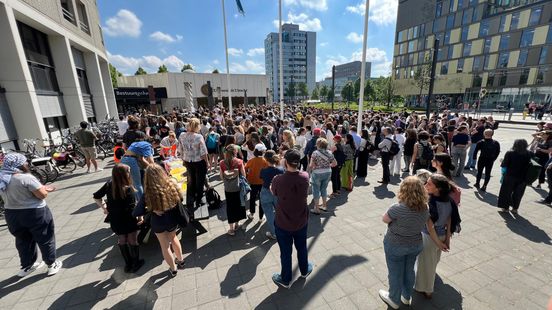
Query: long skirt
<point x="427" y="265"/>
<point x="347" y="175"/>
<point x="234" y="210"/>
<point x="362" y="167"/>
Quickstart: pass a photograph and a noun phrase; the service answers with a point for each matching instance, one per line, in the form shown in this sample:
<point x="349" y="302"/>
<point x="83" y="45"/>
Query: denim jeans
<point x="135" y="175"/>
<point x="268" y="204"/>
<point x="320" y="183"/>
<point x="285" y="241"/>
<point x="400" y="265"/>
<point x="471" y="162"/>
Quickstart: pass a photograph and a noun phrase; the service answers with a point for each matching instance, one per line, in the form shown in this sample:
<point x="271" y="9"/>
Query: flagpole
<point x="227" y="63"/>
<point x="363" y="67"/>
<point x="281" y="62"/>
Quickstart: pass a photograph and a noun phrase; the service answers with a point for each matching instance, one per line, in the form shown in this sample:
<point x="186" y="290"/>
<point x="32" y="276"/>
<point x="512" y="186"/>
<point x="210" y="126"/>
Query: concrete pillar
<point x="108" y="87"/>
<point x="95" y="82"/>
<point x="15" y="77"/>
<point x="67" y="79"/>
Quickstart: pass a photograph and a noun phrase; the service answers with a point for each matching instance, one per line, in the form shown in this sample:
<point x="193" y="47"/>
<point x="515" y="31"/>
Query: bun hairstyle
<point x="271" y="157"/>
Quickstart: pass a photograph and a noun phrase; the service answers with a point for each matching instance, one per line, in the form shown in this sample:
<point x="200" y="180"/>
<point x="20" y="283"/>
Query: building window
<point x="487" y="63"/>
<point x="535" y="16"/>
<point x="440" y="54"/>
<point x="543" y="54"/>
<point x="476" y="15"/>
<point x="522" y="60"/>
<point x="464" y="35"/>
<point x="438" y="9"/>
<point x="415" y="32"/>
<point x="460" y="66"/>
<point x="490" y="79"/>
<point x="451" y="6"/>
<point x="460" y="4"/>
<point x="450" y="52"/>
<point x="474" y="2"/>
<point x="83" y="18"/>
<point x="549" y="36"/>
<point x="411" y="46"/>
<point x="467" y="49"/>
<point x="444" y="68"/>
<point x="504" y="41"/>
<point x="503" y="59"/>
<point x="527" y="37"/>
<point x="447" y="38"/>
<point x="515" y="21"/>
<point x="503" y="74"/>
<point x="524" y="76"/>
<point x="466" y="16"/>
<point x="477" y="63"/>
<point x="487" y="46"/>
<point x="502" y="26"/>
<point x="484" y="28"/>
<point x="450" y="21"/>
<point x="541" y="75"/>
<point x="102" y="37"/>
<point x="477" y="80"/>
<point x="68" y="10"/>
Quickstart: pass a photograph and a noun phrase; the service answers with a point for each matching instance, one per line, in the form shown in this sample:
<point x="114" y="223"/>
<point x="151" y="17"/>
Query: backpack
<point x="395" y="148"/>
<point x="427" y="153"/>
<point x="211" y="141"/>
<point x="533" y="171"/>
<point x="213" y="198"/>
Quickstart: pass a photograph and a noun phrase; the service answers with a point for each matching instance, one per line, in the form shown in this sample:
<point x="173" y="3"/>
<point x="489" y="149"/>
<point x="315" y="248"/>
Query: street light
<point x="432" y="75"/>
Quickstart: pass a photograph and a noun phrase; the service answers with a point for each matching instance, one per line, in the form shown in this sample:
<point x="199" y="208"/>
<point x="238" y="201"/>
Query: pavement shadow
<point x="85" y="249"/>
<point x="360" y="181"/>
<point x="462" y="182"/>
<point x="85" y="209"/>
<point x="444" y="297"/>
<point x="523" y="227"/>
<point x="146" y="296"/>
<point x="91" y="182"/>
<point x="88" y="294"/>
<point x="16" y="283"/>
<point x="381" y="192"/>
<point x="339" y="200"/>
<point x="490" y="199"/>
<point x="301" y="292"/>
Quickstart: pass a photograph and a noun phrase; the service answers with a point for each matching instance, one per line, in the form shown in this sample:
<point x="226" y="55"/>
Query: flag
<point x="240" y="7"/>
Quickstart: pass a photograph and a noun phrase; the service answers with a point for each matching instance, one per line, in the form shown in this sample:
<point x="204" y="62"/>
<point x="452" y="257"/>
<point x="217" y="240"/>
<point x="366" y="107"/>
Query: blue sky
<point x="174" y="32"/>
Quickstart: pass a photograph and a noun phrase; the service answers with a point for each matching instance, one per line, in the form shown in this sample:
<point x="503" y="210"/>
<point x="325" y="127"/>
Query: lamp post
<point x="432" y="76"/>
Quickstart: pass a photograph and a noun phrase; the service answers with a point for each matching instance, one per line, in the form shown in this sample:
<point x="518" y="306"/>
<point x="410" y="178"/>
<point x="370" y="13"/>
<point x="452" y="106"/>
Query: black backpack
<point x="394" y="149"/>
<point x="427" y="153"/>
<point x="213" y="198"/>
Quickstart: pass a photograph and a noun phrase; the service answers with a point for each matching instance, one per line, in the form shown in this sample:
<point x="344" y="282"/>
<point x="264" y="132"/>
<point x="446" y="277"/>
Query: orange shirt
<point x="253" y="169"/>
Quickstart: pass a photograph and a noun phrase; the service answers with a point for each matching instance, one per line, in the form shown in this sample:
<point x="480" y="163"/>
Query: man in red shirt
<point x="291" y="190"/>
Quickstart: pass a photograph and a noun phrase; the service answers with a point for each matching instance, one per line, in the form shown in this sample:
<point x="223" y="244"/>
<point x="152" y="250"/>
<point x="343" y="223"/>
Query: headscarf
<point x="10" y="166"/>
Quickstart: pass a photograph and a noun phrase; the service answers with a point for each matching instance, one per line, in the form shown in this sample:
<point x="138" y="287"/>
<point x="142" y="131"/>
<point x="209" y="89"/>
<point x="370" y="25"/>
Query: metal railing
<point x="68" y="15"/>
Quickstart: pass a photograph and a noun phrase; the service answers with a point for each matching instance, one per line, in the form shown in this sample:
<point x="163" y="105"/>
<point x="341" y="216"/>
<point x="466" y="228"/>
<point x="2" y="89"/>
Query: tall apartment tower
<point x="502" y="46"/>
<point x="299" y="59"/>
<point x="54" y="70"/>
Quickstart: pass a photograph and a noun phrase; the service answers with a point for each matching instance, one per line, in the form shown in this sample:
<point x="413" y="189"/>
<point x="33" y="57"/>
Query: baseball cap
<point x="260" y="147"/>
<point x="293" y="157"/>
<point x="316" y="131"/>
<point x="337" y="137"/>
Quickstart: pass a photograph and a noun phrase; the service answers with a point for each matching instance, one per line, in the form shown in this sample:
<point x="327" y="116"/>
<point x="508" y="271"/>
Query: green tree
<point x="216" y="71"/>
<point x="386" y="89"/>
<point x="330" y="95"/>
<point x="347" y="92"/>
<point x="187" y="67"/>
<point x="422" y="75"/>
<point x="368" y="89"/>
<point x="324" y="92"/>
<point x="314" y="95"/>
<point x="162" y="69"/>
<point x="291" y="91"/>
<point x="114" y="75"/>
<point x="140" y="71"/>
<point x="302" y="90"/>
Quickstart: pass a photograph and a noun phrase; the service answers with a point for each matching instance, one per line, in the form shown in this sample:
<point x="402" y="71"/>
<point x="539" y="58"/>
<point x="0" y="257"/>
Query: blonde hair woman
<point x="403" y="241"/>
<point x="193" y="151"/>
<point x="161" y="196"/>
<point x="288" y="137"/>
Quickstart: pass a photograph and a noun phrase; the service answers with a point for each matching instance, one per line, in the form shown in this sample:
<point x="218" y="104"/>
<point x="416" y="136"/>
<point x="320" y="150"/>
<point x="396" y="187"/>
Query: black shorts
<point x="212" y="151"/>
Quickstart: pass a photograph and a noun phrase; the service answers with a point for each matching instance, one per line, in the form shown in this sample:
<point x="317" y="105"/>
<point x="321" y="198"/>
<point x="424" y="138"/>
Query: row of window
<point x="68" y="10"/>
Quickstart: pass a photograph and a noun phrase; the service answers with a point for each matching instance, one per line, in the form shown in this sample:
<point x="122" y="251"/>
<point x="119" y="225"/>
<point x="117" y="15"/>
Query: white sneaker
<point x="54" y="268"/>
<point x="26" y="271"/>
<point x="406" y="301"/>
<point x="251" y="216"/>
<point x="384" y="295"/>
<point x="269" y="235"/>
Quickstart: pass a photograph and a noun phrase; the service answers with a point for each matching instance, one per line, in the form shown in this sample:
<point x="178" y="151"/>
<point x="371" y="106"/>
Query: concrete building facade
<point x="189" y="89"/>
<point x="299" y="59"/>
<point x="345" y="73"/>
<point x="55" y="72"/>
<point x="504" y="47"/>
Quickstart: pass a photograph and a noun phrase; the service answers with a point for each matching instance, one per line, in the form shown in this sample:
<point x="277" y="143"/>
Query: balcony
<point x="68" y="15"/>
<point x="84" y="27"/>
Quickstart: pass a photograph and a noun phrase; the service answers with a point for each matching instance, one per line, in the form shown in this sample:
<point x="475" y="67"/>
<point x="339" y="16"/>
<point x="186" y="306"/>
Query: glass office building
<point x="503" y="46"/>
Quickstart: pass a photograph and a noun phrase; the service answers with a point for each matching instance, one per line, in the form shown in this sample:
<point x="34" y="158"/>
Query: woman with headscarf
<point x="28" y="217"/>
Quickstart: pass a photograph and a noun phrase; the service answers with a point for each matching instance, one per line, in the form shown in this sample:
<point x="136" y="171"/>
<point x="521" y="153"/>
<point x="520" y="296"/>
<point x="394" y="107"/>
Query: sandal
<point x="231" y="232"/>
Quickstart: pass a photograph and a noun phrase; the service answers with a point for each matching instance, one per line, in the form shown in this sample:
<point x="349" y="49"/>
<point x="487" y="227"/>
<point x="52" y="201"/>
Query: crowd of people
<point x="268" y="165"/>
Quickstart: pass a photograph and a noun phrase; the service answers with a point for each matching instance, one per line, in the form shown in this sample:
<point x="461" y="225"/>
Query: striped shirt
<point x="406" y="225"/>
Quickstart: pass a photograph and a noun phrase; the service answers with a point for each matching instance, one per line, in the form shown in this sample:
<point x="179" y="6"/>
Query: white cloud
<point x="319" y="5"/>
<point x="382" y="12"/>
<point x="256" y="52"/>
<point x="354" y="37"/>
<point x="235" y="52"/>
<point x="248" y="67"/>
<point x="150" y="63"/>
<point x="382" y="69"/>
<point x="124" y="24"/>
<point x="216" y="61"/>
<point x="164" y="37"/>
<point x="373" y="54"/>
<point x="323" y="44"/>
<point x="303" y="20"/>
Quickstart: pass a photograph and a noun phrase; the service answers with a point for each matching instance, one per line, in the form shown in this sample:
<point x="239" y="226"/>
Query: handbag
<point x="182" y="215"/>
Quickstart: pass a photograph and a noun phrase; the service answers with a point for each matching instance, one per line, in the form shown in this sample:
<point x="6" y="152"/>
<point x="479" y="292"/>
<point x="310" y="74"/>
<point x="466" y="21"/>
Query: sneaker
<point x="26" y="271"/>
<point x="99" y="170"/>
<point x="502" y="210"/>
<point x="269" y="235"/>
<point x="179" y="264"/>
<point x="54" y="268"/>
<point x="484" y="189"/>
<point x="310" y="267"/>
<point x="172" y="273"/>
<point x="514" y="211"/>
<point x="384" y="295"/>
<point x="251" y="216"/>
<point x="406" y="301"/>
<point x="477" y="186"/>
<point x="277" y="279"/>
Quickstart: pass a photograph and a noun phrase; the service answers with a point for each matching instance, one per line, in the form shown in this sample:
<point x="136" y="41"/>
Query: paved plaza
<point x="498" y="261"/>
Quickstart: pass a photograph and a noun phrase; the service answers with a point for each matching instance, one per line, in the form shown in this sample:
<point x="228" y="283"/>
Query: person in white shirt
<point x="301" y="141"/>
<point x="395" y="164"/>
<point x="122" y="125"/>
